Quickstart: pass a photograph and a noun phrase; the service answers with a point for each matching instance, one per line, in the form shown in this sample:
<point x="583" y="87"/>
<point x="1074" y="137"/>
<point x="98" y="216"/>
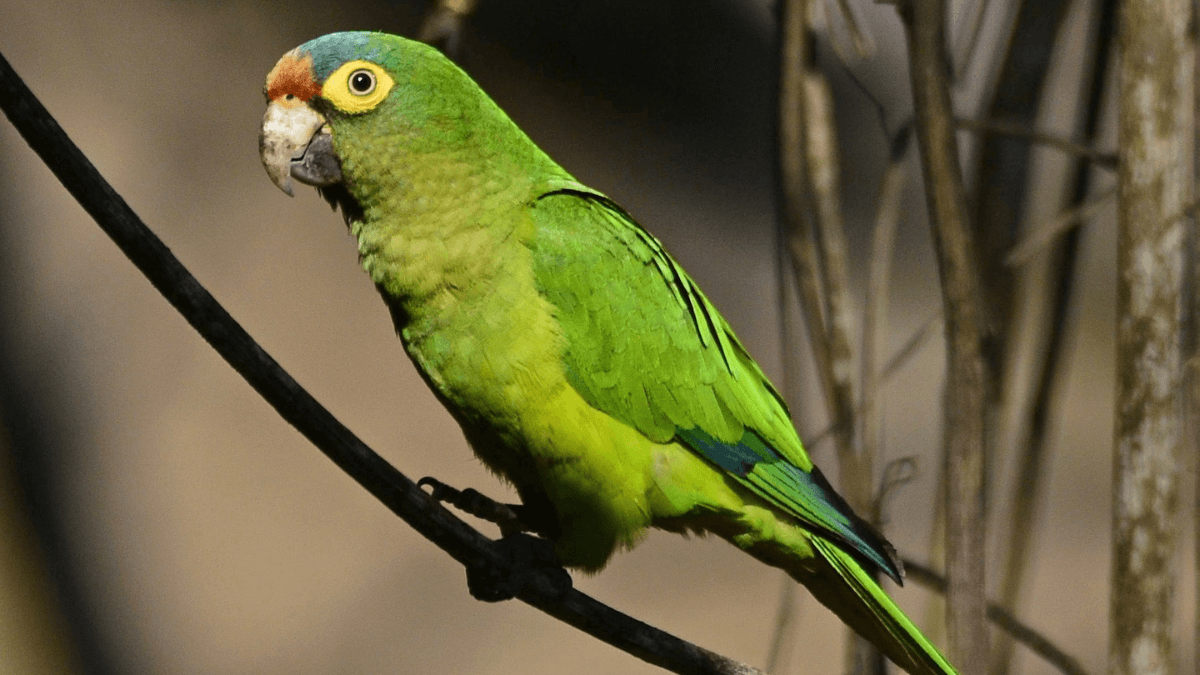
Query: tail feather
<point x="850" y="592"/>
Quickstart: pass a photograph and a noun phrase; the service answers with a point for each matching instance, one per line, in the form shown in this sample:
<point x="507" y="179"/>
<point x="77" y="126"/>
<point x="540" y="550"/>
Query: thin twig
<point x="1030" y="484"/>
<point x="876" y="104"/>
<point x="302" y="411"/>
<point x="879" y="274"/>
<point x="965" y="373"/>
<point x="860" y="36"/>
<point x="911" y="347"/>
<point x="1041" y="236"/>
<point x="1002" y="166"/>
<point x="784" y="632"/>
<point x="964" y="48"/>
<point x="1104" y="160"/>
<point x="1004" y="620"/>
<point x="935" y="609"/>
<point x="896" y="474"/>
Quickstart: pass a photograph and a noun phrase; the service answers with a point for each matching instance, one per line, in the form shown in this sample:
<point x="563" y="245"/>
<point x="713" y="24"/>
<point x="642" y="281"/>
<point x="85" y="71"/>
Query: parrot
<point x="584" y="365"/>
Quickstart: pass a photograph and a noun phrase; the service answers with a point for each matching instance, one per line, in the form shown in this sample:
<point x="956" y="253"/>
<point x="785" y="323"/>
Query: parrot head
<point x="340" y="73"/>
<point x="346" y="109"/>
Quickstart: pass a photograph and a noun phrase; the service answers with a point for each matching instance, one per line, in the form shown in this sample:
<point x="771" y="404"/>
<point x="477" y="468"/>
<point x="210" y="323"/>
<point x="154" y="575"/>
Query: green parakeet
<point x="583" y="364"/>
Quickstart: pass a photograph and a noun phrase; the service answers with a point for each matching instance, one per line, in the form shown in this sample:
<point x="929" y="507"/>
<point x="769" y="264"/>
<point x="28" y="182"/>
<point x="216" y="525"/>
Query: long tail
<point x="850" y="592"/>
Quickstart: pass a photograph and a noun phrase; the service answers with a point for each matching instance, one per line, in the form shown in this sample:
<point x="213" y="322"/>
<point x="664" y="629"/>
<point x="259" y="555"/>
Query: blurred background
<point x="157" y="517"/>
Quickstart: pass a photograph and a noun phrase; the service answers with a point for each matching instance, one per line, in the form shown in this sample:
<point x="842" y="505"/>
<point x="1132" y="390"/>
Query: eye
<point x="357" y="86"/>
<point x="362" y="82"/>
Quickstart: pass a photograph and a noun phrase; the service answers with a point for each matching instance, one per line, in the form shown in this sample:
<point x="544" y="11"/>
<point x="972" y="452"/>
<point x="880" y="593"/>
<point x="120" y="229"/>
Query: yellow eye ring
<point x="357" y="86"/>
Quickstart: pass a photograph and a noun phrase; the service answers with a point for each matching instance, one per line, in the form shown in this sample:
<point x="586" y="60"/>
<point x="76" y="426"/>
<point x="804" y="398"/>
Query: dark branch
<point x="1104" y="160"/>
<point x="302" y="411"/>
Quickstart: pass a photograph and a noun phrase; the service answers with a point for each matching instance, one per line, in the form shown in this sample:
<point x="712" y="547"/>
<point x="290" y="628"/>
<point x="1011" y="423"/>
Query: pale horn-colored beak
<point x="294" y="141"/>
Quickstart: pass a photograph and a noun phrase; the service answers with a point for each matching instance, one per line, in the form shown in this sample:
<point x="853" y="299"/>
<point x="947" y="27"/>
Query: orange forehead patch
<point x="292" y="75"/>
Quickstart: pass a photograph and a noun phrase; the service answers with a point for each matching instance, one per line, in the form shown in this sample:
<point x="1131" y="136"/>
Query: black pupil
<point x="361" y="82"/>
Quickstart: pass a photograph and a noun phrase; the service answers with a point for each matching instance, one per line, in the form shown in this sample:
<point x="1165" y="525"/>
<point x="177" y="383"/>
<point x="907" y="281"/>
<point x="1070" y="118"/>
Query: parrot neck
<point x="447" y="226"/>
<point x="444" y="234"/>
<point x="441" y="200"/>
<point x="449" y="253"/>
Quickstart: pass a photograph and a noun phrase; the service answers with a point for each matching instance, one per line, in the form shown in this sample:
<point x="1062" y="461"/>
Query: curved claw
<point x="477" y="504"/>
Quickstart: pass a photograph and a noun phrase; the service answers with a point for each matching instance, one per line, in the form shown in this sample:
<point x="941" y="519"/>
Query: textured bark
<point x="1154" y="183"/>
<point x="965" y="374"/>
<point x="1191" y="333"/>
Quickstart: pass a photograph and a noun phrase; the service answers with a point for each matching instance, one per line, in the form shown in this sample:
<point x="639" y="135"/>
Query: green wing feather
<point x="646" y="347"/>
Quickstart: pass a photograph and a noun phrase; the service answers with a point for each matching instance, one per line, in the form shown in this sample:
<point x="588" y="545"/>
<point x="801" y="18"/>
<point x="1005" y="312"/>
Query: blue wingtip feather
<point x="806" y="495"/>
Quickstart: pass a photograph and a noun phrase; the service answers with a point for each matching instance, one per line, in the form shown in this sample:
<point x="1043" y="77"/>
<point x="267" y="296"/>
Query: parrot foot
<point x="507" y="516"/>
<point x="529" y="566"/>
<point x="527" y="563"/>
